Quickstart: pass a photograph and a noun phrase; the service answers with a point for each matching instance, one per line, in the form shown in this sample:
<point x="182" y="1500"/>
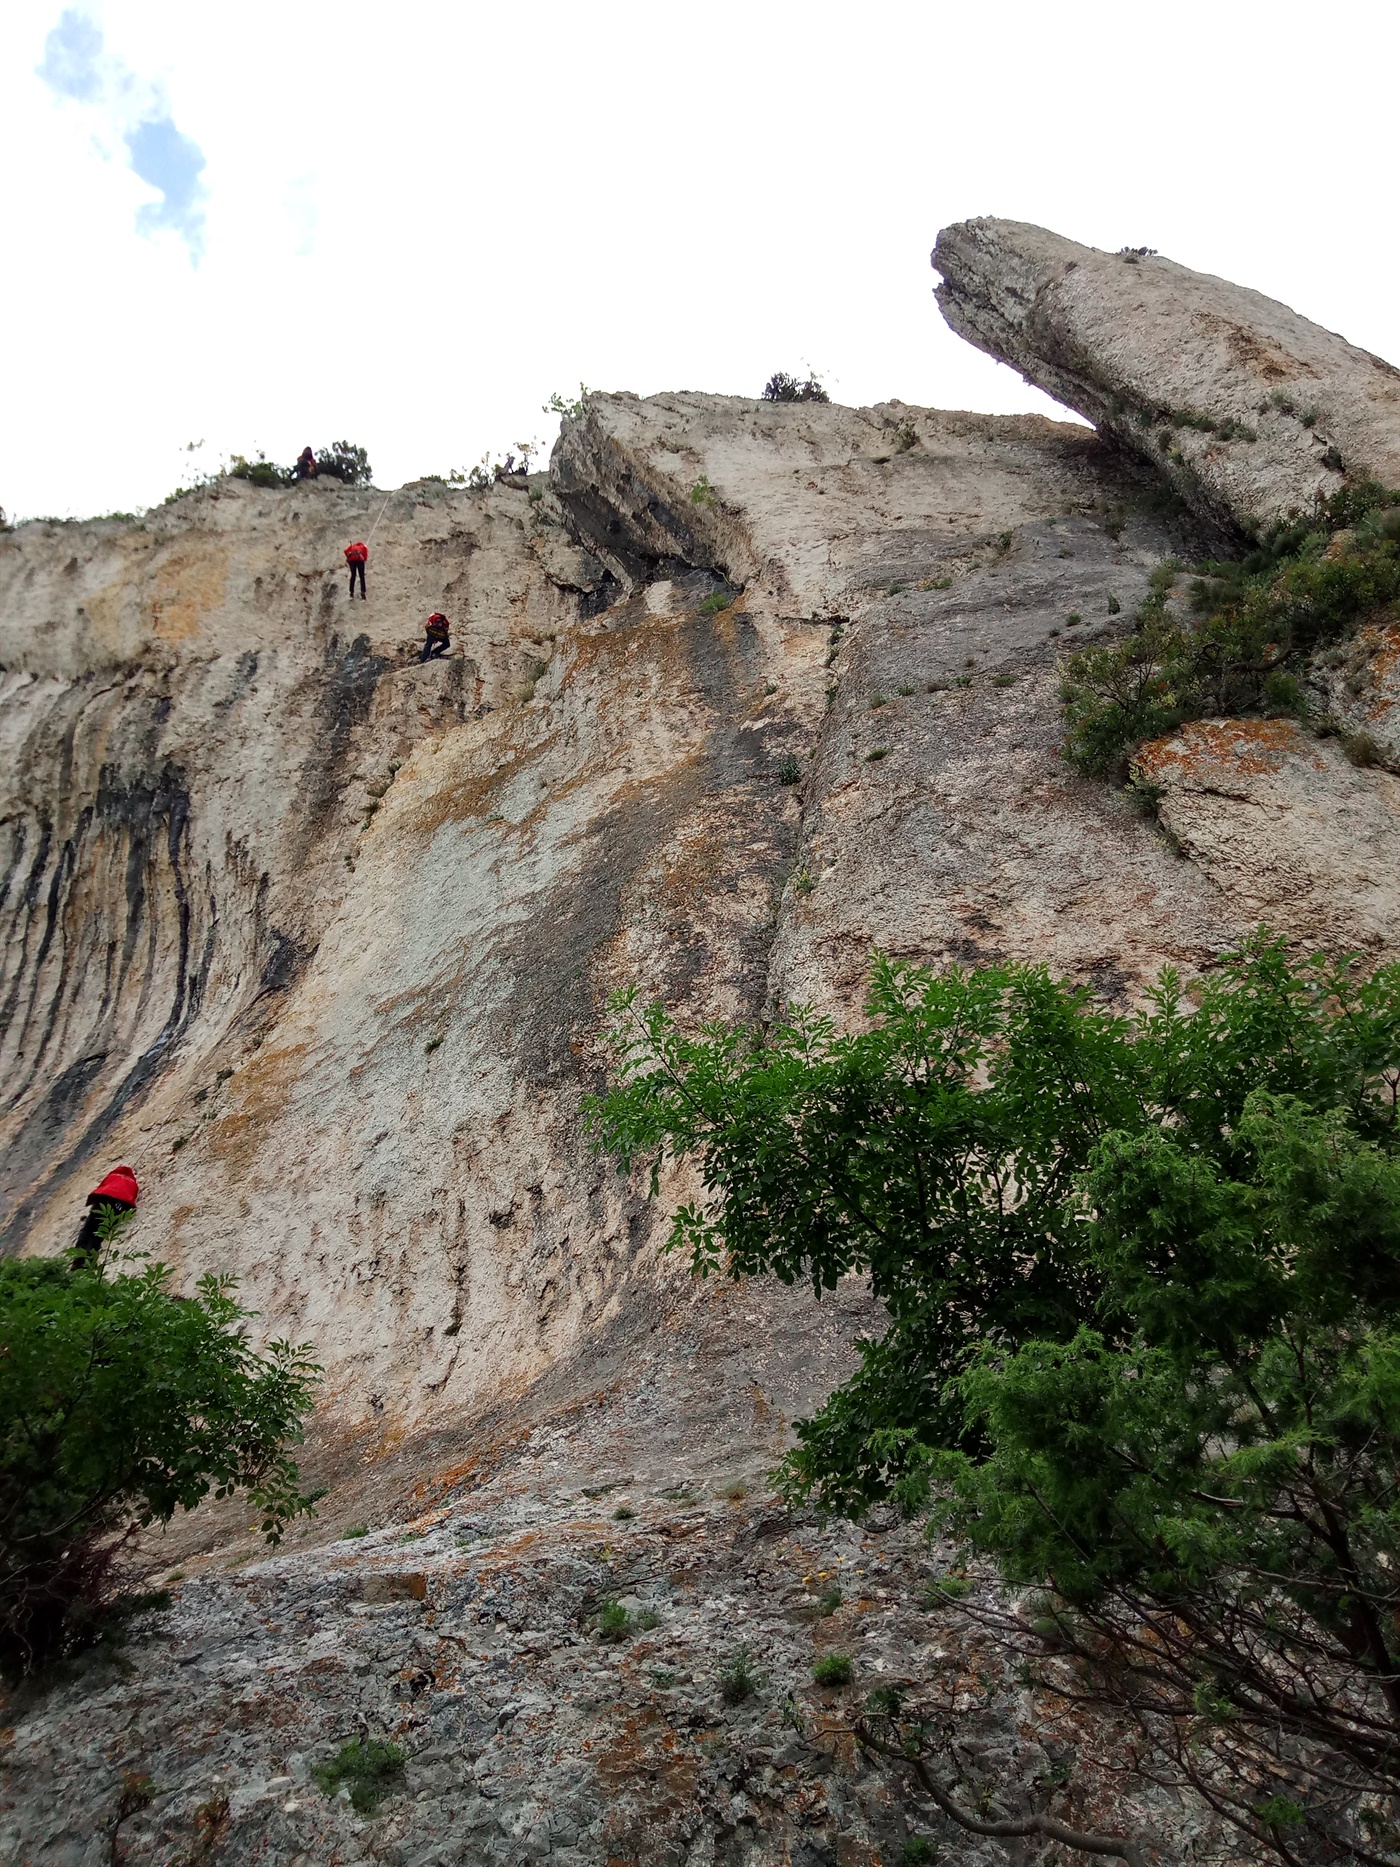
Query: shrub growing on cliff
<point x="119" y="1404"/>
<point x="1256" y="622"/>
<point x="780" y="387"/>
<point x="1143" y="1282"/>
<point x="369" y="1767"/>
<point x="567" y="408"/>
<point x="342" y="460"/>
<point x="259" y="472"/>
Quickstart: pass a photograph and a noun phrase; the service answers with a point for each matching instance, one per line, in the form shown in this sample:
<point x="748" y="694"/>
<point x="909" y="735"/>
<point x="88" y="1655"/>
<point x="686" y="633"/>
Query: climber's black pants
<point x="360" y="570"/>
<point x="434" y="646"/>
<point x="89" y="1241"/>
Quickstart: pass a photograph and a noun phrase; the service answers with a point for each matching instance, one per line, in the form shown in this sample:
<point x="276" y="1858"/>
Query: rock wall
<point x="321" y="939"/>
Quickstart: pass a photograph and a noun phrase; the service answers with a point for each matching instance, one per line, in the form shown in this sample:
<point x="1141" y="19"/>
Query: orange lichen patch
<point x="1207" y="749"/>
<point x="645" y="1760"/>
<point x="186" y="587"/>
<point x="264" y="1086"/>
<point x="389" y="1439"/>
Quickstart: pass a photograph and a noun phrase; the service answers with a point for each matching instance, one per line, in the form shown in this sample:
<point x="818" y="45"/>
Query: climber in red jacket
<point x="357" y="556"/>
<point x="436" y="629"/>
<point x="116" y="1194"/>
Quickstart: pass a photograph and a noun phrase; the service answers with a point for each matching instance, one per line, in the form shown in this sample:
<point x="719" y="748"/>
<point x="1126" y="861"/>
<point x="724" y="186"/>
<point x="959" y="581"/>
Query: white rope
<point x="382" y="510"/>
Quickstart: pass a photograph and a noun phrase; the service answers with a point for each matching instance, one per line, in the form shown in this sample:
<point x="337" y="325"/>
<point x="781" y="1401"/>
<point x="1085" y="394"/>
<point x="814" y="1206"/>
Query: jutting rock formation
<point x="322" y="940"/>
<point x="1250" y="411"/>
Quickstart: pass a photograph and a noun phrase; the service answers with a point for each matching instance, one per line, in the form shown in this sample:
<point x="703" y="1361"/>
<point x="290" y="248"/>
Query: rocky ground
<point x="464" y="1630"/>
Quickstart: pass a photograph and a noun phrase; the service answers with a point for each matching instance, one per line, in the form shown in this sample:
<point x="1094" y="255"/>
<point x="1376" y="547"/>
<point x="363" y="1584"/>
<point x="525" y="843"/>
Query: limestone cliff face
<point x="321" y="939"/>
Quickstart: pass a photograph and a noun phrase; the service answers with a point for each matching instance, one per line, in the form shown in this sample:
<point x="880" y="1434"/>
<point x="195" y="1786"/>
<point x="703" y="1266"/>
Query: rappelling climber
<point x="305" y="469"/>
<point x="436" y="630"/>
<point x="357" y="556"/>
<point x="113" y="1196"/>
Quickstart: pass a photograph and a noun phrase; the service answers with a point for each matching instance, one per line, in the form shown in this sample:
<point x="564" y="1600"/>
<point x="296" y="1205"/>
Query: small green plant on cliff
<point x="613" y="1622"/>
<point x="717" y="601"/>
<point x="781" y="387"/>
<point x="567" y="408"/>
<point x="738" y="1680"/>
<point x="259" y="472"/>
<point x="533" y="676"/>
<point x="1253" y="622"/>
<point x="119" y="1405"/>
<point x="1142" y="1276"/>
<point x="702" y="493"/>
<point x="833" y="1669"/>
<point x="368" y="1766"/>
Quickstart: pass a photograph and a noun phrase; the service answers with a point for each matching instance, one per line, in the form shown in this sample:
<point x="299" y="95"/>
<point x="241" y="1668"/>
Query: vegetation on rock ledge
<point x="1258" y="621"/>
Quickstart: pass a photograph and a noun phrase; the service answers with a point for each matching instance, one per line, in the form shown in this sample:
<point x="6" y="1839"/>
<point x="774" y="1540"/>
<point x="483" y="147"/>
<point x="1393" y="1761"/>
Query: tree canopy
<point x="1143" y="1282"/>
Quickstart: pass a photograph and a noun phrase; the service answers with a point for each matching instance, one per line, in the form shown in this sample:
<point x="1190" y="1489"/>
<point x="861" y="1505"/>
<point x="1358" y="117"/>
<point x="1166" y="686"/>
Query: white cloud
<point x="77" y="66"/>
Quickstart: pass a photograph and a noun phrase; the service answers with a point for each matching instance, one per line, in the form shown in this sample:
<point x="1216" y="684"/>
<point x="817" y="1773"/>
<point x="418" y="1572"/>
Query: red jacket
<point x="120" y="1185"/>
<point x="357" y="553"/>
<point x="437" y="624"/>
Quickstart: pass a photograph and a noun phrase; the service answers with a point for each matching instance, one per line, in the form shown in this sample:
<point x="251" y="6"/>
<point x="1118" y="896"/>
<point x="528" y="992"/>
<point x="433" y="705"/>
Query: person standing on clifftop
<point x="305" y="469"/>
<point x="117" y="1193"/>
<point x="436" y="629"/>
<point x="357" y="556"/>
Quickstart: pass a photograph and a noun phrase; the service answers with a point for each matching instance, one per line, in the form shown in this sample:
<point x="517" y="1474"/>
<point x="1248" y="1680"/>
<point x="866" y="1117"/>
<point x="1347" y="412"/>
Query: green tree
<point x="781" y="386"/>
<point x="1143" y="1281"/>
<point x="343" y="460"/>
<point x="119" y="1405"/>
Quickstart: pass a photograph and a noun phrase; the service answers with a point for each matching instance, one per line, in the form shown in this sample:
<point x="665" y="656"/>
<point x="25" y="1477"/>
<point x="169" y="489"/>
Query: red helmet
<point x="120" y="1184"/>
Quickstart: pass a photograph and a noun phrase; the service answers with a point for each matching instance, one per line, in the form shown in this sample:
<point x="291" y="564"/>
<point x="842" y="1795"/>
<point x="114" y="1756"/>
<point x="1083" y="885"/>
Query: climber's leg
<point x="89" y="1240"/>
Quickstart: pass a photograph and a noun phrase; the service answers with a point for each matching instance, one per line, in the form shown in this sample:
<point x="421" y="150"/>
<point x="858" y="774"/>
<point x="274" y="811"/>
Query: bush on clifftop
<point x="342" y="460"/>
<point x="780" y="387"/>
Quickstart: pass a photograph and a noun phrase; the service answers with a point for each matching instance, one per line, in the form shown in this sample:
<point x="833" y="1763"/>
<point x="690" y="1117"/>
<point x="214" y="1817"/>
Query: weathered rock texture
<point x="321" y="940"/>
<point x="1329" y="871"/>
<point x="1358" y="684"/>
<point x="1249" y="410"/>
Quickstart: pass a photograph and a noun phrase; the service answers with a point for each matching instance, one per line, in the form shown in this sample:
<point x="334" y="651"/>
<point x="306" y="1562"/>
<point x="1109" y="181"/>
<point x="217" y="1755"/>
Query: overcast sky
<point x="263" y="225"/>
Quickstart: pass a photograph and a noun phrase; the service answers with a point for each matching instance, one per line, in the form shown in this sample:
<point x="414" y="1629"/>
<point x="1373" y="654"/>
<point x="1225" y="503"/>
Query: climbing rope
<point x="382" y="510"/>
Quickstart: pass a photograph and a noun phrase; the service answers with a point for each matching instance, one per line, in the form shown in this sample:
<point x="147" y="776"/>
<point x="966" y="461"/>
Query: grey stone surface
<point x="1285" y="410"/>
<point x="527" y="1738"/>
